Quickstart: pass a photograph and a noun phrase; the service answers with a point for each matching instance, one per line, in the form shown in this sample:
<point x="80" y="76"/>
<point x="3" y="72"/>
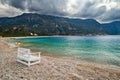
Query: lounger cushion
<point x="28" y="58"/>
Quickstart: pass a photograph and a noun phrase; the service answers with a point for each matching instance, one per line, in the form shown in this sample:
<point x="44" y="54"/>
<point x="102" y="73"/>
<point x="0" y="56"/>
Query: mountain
<point x="112" y="28"/>
<point x="35" y="24"/>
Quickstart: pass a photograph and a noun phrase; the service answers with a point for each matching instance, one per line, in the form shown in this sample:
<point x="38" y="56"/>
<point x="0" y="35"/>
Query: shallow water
<point x="98" y="49"/>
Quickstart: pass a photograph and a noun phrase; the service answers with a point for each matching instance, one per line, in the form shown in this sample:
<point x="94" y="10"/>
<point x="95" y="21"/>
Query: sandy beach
<point x="50" y="68"/>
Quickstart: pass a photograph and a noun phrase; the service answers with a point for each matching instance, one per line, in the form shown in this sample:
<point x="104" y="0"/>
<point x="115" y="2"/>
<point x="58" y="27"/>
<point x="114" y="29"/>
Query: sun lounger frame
<point x="26" y="57"/>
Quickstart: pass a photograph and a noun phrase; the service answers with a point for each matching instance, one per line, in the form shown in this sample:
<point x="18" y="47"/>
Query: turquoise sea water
<point x="98" y="49"/>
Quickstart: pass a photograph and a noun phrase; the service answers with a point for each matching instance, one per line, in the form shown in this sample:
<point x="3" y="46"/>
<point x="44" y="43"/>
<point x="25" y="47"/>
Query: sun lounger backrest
<point x="23" y="51"/>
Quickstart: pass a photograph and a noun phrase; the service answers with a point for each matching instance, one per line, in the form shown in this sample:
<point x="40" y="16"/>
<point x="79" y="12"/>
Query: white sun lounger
<point x="26" y="57"/>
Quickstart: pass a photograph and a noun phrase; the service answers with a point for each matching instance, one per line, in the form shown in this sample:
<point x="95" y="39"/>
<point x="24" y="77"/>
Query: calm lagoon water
<point x="98" y="49"/>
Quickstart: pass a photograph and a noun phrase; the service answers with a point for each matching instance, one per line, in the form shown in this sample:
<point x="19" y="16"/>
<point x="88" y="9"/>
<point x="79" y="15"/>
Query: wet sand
<point x="50" y="68"/>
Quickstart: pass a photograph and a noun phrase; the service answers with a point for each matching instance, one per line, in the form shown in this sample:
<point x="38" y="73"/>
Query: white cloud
<point x="6" y="10"/>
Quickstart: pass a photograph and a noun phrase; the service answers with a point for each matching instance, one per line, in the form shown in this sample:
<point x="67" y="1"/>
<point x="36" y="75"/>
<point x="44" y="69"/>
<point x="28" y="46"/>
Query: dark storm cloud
<point x="111" y="15"/>
<point x="18" y="4"/>
<point x="47" y="6"/>
<point x="101" y="10"/>
<point x="96" y="12"/>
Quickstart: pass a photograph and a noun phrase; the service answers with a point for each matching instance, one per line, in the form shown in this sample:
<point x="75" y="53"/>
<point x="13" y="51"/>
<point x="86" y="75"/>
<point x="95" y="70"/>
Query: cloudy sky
<point x="101" y="10"/>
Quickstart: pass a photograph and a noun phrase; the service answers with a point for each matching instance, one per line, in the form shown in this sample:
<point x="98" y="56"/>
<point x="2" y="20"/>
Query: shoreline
<point x="15" y="45"/>
<point x="59" y="36"/>
<point x="51" y="68"/>
<point x="115" y="67"/>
